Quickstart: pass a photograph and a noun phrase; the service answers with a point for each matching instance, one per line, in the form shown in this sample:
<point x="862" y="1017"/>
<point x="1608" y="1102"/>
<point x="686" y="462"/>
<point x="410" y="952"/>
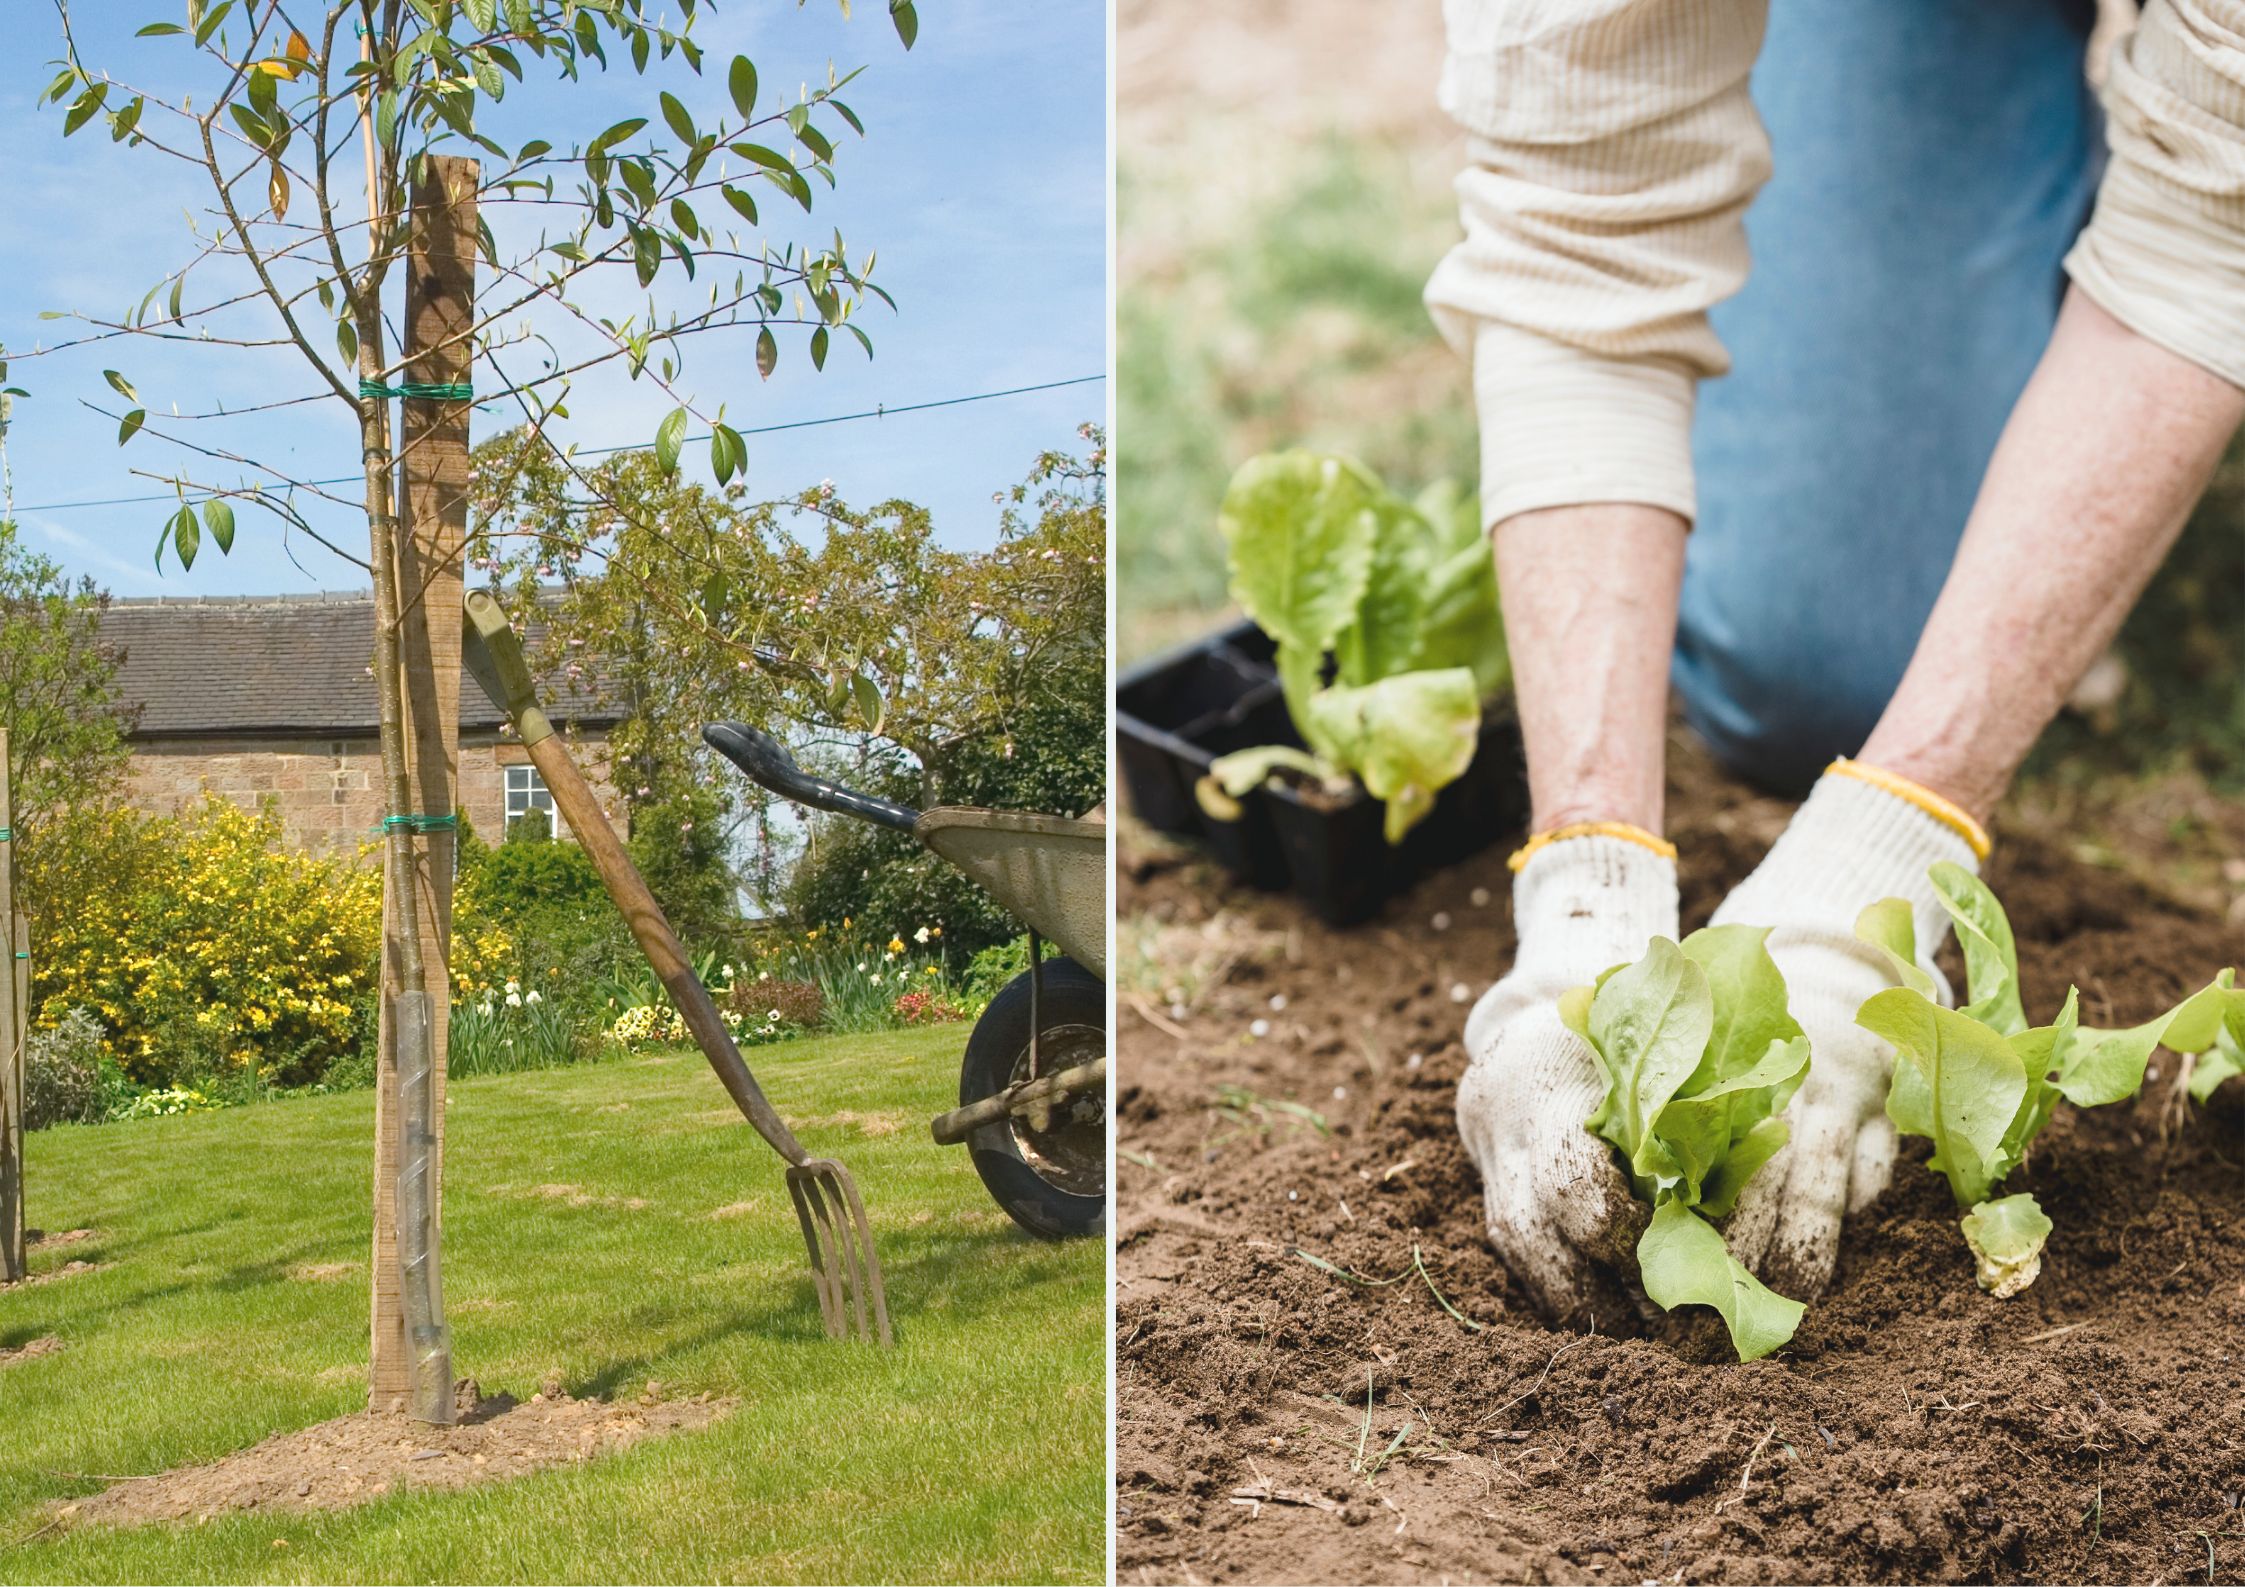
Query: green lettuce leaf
<point x="1684" y="1262"/>
<point x="1991" y="959"/>
<point x="1890" y="927"/>
<point x="1699" y="1056"/>
<point x="1300" y="531"/>
<point x="1407" y="737"/>
<point x="2006" y="1238"/>
<point x="2107" y="1065"/>
<point x="1965" y="1087"/>
<point x="2221" y="1061"/>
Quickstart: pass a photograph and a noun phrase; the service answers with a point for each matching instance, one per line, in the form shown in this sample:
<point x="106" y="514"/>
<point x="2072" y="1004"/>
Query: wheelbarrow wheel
<point x="1050" y="1180"/>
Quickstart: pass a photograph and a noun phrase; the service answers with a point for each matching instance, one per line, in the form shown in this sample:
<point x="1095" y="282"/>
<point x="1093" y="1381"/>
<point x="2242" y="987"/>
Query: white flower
<point x="862" y="967"/>
<point x="763" y="975"/>
<point x="876" y="980"/>
<point x="728" y="972"/>
<point x="514" y="999"/>
<point x="921" y="936"/>
<point x="533" y="997"/>
<point x="774" y="1016"/>
<point x="513" y="985"/>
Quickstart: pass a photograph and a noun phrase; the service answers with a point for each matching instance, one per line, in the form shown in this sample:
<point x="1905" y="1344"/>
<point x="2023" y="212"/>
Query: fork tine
<point x="870" y="1289"/>
<point x="804" y="1194"/>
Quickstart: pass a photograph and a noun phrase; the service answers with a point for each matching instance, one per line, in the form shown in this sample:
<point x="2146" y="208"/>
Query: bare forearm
<point x="2108" y="450"/>
<point x="1590" y="618"/>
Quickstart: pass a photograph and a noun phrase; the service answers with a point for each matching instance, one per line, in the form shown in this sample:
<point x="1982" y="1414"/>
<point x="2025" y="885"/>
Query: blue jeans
<point x="1933" y="162"/>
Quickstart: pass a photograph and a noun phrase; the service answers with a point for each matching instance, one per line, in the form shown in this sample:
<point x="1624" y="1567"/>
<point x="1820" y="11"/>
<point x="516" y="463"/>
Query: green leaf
<point x="741" y="80"/>
<point x="1462" y="625"/>
<point x="159" y="30"/>
<point x="1233" y="777"/>
<point x="767" y="352"/>
<point x="865" y="695"/>
<point x="1684" y="1262"/>
<point x="347" y="340"/>
<point x="2006" y="1238"/>
<point x="2107" y="1065"/>
<point x="1407" y="737"/>
<point x="680" y="123"/>
<point x="669" y="436"/>
<point x="818" y="348"/>
<point x="186" y="535"/>
<point x="1648" y="1026"/>
<point x="744" y="205"/>
<point x="119" y="384"/>
<point x="1299" y="530"/>
<point x="219" y="518"/>
<point x="1891" y="927"/>
<point x="130" y="426"/>
<point x="1719" y="1192"/>
<point x="906" y="19"/>
<point x="1972" y="1086"/>
<point x="1384" y="636"/>
<point x="1991" y="961"/>
<point x="728" y="453"/>
<point x="1748" y="994"/>
<point x="211" y="20"/>
<point x="615" y="135"/>
<point x="2223" y="1061"/>
<point x="86" y="107"/>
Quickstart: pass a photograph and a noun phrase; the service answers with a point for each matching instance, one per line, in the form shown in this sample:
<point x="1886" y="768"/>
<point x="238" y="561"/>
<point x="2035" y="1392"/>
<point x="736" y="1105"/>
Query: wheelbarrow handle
<point x="767" y="761"/>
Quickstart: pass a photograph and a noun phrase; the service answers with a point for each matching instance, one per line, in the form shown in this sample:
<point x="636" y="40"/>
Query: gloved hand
<point x="1560" y="1211"/>
<point x="1862" y="835"/>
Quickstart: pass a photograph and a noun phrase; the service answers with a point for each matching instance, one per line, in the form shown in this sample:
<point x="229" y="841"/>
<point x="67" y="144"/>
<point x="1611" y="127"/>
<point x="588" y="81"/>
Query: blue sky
<point x="981" y="182"/>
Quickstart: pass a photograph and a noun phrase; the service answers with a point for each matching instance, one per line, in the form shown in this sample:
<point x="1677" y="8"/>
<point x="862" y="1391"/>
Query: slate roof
<point x="200" y="666"/>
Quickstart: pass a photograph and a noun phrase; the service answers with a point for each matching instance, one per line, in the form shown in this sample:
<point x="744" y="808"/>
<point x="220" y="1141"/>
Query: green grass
<point x="973" y="1452"/>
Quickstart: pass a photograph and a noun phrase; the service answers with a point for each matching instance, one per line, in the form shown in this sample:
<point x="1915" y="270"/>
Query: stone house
<point x="271" y="698"/>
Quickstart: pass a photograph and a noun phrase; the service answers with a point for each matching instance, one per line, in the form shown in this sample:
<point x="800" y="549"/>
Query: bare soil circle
<point x="353" y="1459"/>
<point x="2092" y="1429"/>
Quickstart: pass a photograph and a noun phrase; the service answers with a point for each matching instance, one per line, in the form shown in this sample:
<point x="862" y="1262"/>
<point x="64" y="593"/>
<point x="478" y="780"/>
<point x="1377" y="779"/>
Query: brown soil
<point x="66" y="1270"/>
<point x="2091" y="1429"/>
<point x="356" y="1458"/>
<point x="29" y="1350"/>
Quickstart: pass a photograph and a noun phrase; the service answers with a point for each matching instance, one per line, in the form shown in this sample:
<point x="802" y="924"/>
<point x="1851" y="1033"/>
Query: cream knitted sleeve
<point x="2165" y="252"/>
<point x="1613" y="153"/>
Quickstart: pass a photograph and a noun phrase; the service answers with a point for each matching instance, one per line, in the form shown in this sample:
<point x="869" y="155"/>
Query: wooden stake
<point x="12" y="996"/>
<point x="439" y="308"/>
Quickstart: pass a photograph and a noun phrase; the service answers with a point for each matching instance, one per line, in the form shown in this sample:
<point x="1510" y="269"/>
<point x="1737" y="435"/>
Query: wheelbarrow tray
<point x="1047" y="871"/>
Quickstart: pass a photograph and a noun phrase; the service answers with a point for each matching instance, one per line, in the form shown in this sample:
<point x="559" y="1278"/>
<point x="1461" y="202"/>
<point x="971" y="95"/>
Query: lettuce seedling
<point x="1399" y="596"/>
<point x="1980" y="1082"/>
<point x="1699" y="1056"/>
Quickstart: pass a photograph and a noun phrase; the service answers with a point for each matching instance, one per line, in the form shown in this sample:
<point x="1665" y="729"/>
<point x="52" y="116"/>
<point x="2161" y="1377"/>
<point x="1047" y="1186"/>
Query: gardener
<point x="1963" y="430"/>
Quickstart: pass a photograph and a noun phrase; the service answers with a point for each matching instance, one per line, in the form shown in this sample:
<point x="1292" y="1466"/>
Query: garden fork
<point x="845" y="1269"/>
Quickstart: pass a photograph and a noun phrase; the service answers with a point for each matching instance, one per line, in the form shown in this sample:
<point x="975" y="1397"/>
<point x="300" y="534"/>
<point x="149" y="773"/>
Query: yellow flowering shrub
<point x="203" y="945"/>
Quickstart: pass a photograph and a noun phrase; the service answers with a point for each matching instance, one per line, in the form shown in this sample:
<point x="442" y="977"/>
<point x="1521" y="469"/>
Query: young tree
<point x="334" y="137"/>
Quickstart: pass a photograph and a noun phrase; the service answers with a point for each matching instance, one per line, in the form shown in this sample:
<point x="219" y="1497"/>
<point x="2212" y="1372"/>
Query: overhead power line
<point x="881" y="412"/>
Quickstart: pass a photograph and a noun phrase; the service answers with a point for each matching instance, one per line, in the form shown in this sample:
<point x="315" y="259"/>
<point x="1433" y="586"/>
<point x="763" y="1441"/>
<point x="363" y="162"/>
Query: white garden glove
<point x="1560" y="1211"/>
<point x="1862" y="835"/>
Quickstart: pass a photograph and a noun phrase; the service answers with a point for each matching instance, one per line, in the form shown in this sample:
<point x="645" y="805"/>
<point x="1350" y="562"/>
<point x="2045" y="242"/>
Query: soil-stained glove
<point x="1862" y="835"/>
<point x="1560" y="1211"/>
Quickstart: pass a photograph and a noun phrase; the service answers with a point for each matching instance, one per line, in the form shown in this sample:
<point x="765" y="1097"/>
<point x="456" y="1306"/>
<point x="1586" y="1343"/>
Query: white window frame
<point x="523" y="791"/>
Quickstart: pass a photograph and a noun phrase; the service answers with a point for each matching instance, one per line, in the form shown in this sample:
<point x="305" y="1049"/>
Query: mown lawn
<point x="972" y="1453"/>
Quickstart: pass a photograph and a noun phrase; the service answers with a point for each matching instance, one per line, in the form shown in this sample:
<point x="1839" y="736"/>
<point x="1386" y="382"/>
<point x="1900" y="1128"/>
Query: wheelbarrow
<point x="845" y="1270"/>
<point x="1032" y="1107"/>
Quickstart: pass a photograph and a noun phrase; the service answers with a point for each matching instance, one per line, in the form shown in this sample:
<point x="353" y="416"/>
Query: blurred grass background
<point x="1283" y="190"/>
